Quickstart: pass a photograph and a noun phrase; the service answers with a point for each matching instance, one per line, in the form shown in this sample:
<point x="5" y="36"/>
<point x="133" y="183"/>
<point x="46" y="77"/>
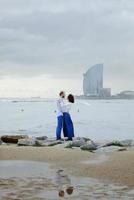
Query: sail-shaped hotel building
<point x="93" y="81"/>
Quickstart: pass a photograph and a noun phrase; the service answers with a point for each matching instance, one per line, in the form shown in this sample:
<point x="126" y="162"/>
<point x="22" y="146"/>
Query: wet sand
<point x="118" y="168"/>
<point x="36" y="180"/>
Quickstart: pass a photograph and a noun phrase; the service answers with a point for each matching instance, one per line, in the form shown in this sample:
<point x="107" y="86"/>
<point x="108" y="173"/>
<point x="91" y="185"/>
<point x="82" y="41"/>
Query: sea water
<point x="96" y="119"/>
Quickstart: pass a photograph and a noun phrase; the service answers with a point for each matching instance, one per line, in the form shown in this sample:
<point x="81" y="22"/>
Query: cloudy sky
<point x="47" y="45"/>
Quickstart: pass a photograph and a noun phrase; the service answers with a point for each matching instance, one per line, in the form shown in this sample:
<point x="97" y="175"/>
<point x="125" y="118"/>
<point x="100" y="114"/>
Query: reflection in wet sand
<point x="63" y="183"/>
<point x="51" y="184"/>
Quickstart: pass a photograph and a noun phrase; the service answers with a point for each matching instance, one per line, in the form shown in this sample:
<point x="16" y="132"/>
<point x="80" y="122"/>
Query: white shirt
<point x="60" y="105"/>
<point x="66" y="107"/>
<point x="63" y="106"/>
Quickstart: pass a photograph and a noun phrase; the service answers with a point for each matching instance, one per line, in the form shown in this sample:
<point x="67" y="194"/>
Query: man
<point x="60" y="120"/>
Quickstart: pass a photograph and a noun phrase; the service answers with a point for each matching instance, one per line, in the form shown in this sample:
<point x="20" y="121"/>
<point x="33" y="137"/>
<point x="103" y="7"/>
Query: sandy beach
<point x="118" y="168"/>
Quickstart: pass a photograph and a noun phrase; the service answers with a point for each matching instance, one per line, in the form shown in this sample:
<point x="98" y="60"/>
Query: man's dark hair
<point x="70" y="98"/>
<point x="62" y="92"/>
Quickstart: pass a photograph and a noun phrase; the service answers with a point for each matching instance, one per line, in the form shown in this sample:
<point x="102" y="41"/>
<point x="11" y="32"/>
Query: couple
<point x="63" y="117"/>
<point x="63" y="183"/>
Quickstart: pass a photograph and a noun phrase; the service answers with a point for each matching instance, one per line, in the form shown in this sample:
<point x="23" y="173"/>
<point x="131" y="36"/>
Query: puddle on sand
<point x="36" y="181"/>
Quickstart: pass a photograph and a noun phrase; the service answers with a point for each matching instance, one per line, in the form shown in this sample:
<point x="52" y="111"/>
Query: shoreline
<point x="117" y="168"/>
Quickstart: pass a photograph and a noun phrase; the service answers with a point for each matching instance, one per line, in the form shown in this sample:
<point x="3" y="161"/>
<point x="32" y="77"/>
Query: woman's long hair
<point x="71" y="98"/>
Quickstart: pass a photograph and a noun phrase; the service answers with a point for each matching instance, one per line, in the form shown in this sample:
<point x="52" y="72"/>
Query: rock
<point x="40" y="143"/>
<point x="122" y="149"/>
<point x="86" y="139"/>
<point x="13" y="139"/>
<point x="53" y="140"/>
<point x="69" y="145"/>
<point x="81" y="142"/>
<point x="54" y="143"/>
<point x="127" y="143"/>
<point x="89" y="146"/>
<point x="78" y="143"/>
<point x="42" y="138"/>
<point x="27" y="142"/>
<point x="123" y="143"/>
<point x="82" y="138"/>
<point x="113" y="143"/>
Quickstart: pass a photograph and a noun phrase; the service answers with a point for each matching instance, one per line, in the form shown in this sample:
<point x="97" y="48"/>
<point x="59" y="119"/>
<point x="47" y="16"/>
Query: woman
<point x="67" y="121"/>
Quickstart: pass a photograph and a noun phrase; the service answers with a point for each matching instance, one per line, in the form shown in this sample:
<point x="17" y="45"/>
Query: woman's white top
<point x="66" y="107"/>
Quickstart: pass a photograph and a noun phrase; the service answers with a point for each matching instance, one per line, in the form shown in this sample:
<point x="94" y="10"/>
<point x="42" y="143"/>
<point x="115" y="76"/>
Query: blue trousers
<point x="68" y="126"/>
<point x="60" y="126"/>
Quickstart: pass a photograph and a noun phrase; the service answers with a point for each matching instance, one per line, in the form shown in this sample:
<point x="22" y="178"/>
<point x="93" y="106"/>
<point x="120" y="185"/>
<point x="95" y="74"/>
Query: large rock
<point x="13" y="139"/>
<point x="27" y="142"/>
<point x="42" y="138"/>
<point x="127" y="143"/>
<point x="77" y="142"/>
<point x="68" y="145"/>
<point x="122" y="143"/>
<point x="46" y="143"/>
<point x="89" y="146"/>
<point x="82" y="138"/>
<point x="38" y="143"/>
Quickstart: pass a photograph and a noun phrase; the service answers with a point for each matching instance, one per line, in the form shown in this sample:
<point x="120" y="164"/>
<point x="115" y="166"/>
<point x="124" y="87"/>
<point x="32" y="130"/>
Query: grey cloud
<point x="48" y="36"/>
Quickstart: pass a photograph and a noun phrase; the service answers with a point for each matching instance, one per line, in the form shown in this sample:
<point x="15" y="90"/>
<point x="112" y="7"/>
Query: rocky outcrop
<point x="89" y="146"/>
<point x="122" y="143"/>
<point x="26" y="142"/>
<point x="13" y="139"/>
<point x="42" y="138"/>
<point x="68" y="145"/>
<point x="83" y="143"/>
<point x="127" y="143"/>
<point x="46" y="143"/>
<point x="77" y="142"/>
<point x="82" y="138"/>
<point x="38" y="143"/>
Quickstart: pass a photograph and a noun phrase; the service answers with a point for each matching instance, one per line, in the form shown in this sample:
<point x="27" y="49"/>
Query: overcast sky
<point x="47" y="45"/>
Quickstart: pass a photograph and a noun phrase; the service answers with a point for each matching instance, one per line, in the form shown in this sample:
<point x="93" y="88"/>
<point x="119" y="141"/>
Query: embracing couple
<point x="64" y="121"/>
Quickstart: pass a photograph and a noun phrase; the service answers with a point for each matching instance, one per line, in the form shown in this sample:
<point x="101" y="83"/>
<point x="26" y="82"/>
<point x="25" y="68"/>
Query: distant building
<point x="105" y="93"/>
<point x="126" y="94"/>
<point x="93" y="81"/>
